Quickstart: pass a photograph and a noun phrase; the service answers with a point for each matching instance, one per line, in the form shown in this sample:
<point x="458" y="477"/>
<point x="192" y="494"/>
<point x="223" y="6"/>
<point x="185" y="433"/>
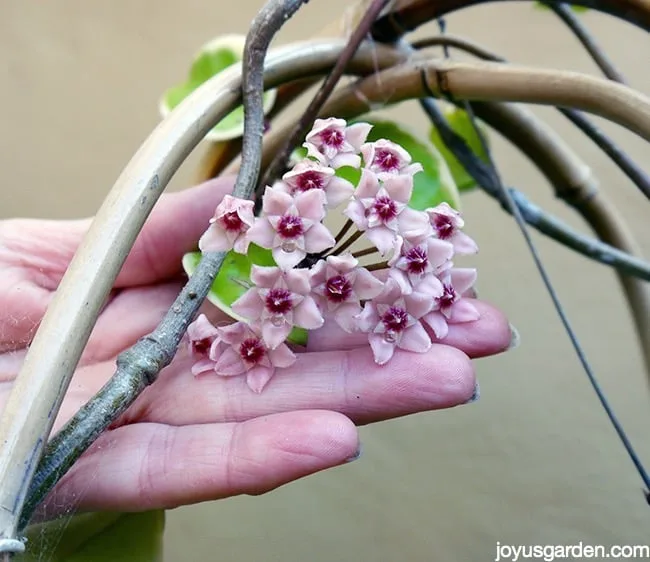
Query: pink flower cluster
<point x="405" y="301"/>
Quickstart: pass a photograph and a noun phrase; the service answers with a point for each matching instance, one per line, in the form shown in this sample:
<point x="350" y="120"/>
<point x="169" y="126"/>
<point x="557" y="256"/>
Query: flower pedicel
<point x="405" y="301"/>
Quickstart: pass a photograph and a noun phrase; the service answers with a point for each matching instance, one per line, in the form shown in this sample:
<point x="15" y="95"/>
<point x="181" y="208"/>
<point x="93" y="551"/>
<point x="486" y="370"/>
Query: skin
<point x="185" y="439"/>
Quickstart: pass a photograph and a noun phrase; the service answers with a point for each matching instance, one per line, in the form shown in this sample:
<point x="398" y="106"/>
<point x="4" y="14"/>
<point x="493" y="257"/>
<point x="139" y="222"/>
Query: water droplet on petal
<point x="277" y="320"/>
<point x="390" y="336"/>
<point x="288" y="246"/>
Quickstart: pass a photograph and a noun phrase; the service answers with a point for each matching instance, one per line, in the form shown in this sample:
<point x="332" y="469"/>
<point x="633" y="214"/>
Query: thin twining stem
<point x="599" y="56"/>
<point x="470" y="161"/>
<point x="624" y="162"/>
<point x="139" y="366"/>
<point x="344" y="230"/>
<point x="306" y="121"/>
<point x="364" y="252"/>
<point x="351" y="240"/>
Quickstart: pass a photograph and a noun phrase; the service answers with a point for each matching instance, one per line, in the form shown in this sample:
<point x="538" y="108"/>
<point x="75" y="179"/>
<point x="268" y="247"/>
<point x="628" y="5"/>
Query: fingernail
<point x="355" y="456"/>
<point x="515" y="338"/>
<point x="476" y="395"/>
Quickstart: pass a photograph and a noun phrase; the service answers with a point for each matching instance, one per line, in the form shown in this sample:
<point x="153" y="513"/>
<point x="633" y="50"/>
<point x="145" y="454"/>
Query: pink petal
<point x="357" y="134"/>
<point x="463" y="311"/>
<point x="381" y="349"/>
<point x="342" y="264"/>
<point x="400" y="188"/>
<point x="439" y="252"/>
<point x="437" y="322"/>
<point x="418" y="304"/>
<point x="310" y="204"/>
<point x="415" y="338"/>
<point x="276" y="201"/>
<point x="241" y="243"/>
<point x="368" y="319"/>
<point x="214" y="239"/>
<point x="345" y="159"/>
<point x="337" y="191"/>
<point x="201" y="329"/>
<point x="463" y="244"/>
<point x="430" y="286"/>
<point x="265" y="276"/>
<point x="318" y="238"/>
<point x="288" y="260"/>
<point x="368" y="186"/>
<point x="298" y="281"/>
<point x="356" y="212"/>
<point x="307" y="315"/>
<point x="462" y="278"/>
<point x="345" y="316"/>
<point x="282" y="356"/>
<point x="202" y="366"/>
<point x="366" y="285"/>
<point x="261" y="233"/>
<point x="273" y="335"/>
<point x="402" y="280"/>
<point x="313" y="152"/>
<point x="258" y="377"/>
<point x="383" y="238"/>
<point x="229" y="364"/>
<point x="250" y="305"/>
<point x="414" y="225"/>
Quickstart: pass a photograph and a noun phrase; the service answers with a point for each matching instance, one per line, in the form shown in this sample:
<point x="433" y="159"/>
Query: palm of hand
<point x="187" y="439"/>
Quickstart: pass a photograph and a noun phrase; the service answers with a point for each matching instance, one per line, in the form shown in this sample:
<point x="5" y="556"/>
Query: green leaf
<point x="214" y="57"/>
<point x="97" y="537"/>
<point x="233" y="280"/>
<point x="435" y="183"/>
<point x="462" y="124"/>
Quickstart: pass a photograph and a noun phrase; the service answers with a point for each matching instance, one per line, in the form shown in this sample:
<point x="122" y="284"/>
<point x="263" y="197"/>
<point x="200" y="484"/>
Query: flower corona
<point x="404" y="300"/>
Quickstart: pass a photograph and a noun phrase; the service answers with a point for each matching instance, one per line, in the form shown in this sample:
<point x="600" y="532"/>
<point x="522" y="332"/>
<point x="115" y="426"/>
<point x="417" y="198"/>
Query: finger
<point x="152" y="466"/>
<point x="349" y="382"/>
<point x="488" y="335"/>
<point x="174" y="228"/>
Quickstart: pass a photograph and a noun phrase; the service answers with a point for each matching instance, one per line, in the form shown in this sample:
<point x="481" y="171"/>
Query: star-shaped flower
<point x="334" y="144"/>
<point x="228" y="227"/>
<point x="447" y="224"/>
<point x="308" y="175"/>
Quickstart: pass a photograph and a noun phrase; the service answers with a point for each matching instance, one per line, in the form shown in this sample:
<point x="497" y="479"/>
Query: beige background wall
<point x="534" y="461"/>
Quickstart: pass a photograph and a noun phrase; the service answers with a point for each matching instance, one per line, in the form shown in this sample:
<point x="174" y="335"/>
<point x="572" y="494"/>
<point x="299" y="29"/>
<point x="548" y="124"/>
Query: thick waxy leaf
<point x="233" y="281"/>
<point x="213" y="58"/>
<point x="462" y="124"/>
<point x="100" y="537"/>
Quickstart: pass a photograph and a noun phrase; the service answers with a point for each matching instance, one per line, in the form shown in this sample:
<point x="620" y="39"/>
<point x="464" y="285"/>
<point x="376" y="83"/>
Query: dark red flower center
<point x="448" y="297"/>
<point x="231" y="221"/>
<point x="252" y="350"/>
<point x="201" y="347"/>
<point x="290" y="226"/>
<point x="278" y="301"/>
<point x="417" y="260"/>
<point x="309" y="180"/>
<point x="387" y="160"/>
<point x="395" y="319"/>
<point x="338" y="288"/>
<point x="333" y="137"/>
<point x="444" y="226"/>
<point x="385" y="208"/>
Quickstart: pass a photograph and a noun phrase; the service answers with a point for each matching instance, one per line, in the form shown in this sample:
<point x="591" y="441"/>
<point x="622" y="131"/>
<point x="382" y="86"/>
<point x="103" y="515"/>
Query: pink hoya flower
<point x="413" y="262"/>
<point x="201" y="334"/>
<point x="447" y="224"/>
<point x="232" y="219"/>
<point x="340" y="284"/>
<point x="308" y="175"/>
<point x="450" y="307"/>
<point x="392" y="320"/>
<point x="380" y="209"/>
<point x="279" y="301"/>
<point x="387" y="158"/>
<point x="291" y="226"/>
<point x="335" y="144"/>
<point x="242" y="351"/>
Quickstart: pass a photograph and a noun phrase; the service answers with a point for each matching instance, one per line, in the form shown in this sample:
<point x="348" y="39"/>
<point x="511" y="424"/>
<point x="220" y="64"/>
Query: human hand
<point x="187" y="439"/>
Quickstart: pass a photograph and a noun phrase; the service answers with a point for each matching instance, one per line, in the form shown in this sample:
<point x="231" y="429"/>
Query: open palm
<point x="190" y="439"/>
